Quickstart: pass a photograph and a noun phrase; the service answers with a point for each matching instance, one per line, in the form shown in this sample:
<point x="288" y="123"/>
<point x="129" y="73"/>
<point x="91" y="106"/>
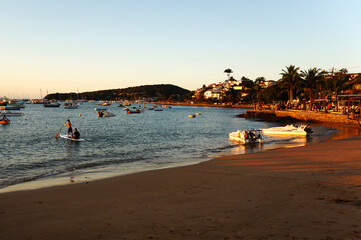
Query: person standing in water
<point x="70" y="129"/>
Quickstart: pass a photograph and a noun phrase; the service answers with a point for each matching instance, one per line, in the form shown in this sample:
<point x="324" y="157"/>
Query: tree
<point x="336" y="83"/>
<point x="260" y="80"/>
<point x="290" y="77"/>
<point x="228" y="71"/>
<point x="311" y="78"/>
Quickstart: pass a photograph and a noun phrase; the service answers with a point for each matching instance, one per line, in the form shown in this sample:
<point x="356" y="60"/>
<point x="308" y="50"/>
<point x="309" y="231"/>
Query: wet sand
<point x="310" y="192"/>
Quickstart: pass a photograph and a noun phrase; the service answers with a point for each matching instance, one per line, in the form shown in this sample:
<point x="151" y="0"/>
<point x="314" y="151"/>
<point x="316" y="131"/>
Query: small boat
<point x="134" y="111"/>
<point x="107" y="104"/>
<point x="105" y="114"/>
<point x="16" y="104"/>
<point x="191" y="115"/>
<point x="100" y="109"/>
<point x="158" y="109"/>
<point x="71" y="105"/>
<point x="247" y="136"/>
<point x="302" y="130"/>
<point x="51" y="104"/>
<point x="125" y="109"/>
<point x="72" y="139"/>
<point x="10" y="107"/>
<point x="4" y="121"/>
<point x="9" y="113"/>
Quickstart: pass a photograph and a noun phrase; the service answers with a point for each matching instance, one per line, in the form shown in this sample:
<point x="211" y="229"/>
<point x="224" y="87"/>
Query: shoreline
<point x="90" y="175"/>
<point x="276" y="194"/>
<point x="83" y="176"/>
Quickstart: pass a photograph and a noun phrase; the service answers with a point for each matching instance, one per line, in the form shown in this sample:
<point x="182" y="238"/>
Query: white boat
<point x="302" y="130"/>
<point x="9" y="113"/>
<point x="71" y="105"/>
<point x="247" y="136"/>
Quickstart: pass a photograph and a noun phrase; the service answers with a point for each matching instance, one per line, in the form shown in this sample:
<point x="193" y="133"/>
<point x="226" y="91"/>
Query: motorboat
<point x="247" y="136"/>
<point x="16" y="104"/>
<point x="302" y="130"/>
<point x="71" y="105"/>
<point x="134" y="111"/>
<point x="51" y="104"/>
<point x="107" y="104"/>
<point x="4" y="121"/>
<point x="105" y="114"/>
<point x="10" y="107"/>
<point x="9" y="113"/>
<point x="100" y="109"/>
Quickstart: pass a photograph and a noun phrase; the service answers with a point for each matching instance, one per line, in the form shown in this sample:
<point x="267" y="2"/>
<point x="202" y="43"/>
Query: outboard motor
<point x="308" y="129"/>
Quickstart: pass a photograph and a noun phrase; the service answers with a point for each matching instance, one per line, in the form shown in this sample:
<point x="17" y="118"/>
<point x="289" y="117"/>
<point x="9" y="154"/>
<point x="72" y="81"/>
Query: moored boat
<point x="10" y="108"/>
<point x="302" y="130"/>
<point x="71" y="105"/>
<point x="9" y="113"/>
<point x="4" y="121"/>
<point x="51" y="104"/>
<point x="100" y="109"/>
<point x="105" y="114"/>
<point x="107" y="104"/>
<point x="134" y="111"/>
<point x="247" y="136"/>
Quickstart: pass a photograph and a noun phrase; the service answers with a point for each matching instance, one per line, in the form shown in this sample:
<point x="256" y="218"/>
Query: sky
<point x="88" y="45"/>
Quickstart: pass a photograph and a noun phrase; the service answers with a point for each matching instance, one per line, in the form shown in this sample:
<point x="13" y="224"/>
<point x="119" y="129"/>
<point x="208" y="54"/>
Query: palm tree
<point x="290" y="77"/>
<point x="311" y="78"/>
<point x="337" y="83"/>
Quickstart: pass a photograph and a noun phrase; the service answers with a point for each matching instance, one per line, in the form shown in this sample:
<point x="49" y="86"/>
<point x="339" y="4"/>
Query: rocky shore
<point x="303" y="116"/>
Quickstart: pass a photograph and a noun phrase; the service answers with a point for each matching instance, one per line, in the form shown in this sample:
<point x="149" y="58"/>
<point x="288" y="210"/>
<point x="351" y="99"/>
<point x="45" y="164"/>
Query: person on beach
<point x="70" y="129"/>
<point x="76" y="134"/>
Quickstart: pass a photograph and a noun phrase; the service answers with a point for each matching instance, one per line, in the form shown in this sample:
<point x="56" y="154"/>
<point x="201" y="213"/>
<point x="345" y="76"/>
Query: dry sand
<point x="311" y="192"/>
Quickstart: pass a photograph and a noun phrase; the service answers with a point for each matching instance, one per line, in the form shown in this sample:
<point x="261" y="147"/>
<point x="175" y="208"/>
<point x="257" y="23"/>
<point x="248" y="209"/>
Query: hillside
<point x="155" y="92"/>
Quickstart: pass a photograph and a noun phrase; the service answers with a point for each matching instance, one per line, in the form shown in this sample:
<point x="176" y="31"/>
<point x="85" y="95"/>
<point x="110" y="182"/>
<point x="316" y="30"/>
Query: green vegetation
<point x="162" y="92"/>
<point x="295" y="87"/>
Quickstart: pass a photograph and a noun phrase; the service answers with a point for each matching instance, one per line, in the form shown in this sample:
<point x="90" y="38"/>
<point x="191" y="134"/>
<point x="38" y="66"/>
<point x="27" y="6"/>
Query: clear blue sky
<point x="86" y="45"/>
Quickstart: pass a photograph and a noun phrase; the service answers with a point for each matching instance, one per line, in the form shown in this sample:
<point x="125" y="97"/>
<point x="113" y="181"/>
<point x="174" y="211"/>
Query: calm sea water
<point x="125" y="143"/>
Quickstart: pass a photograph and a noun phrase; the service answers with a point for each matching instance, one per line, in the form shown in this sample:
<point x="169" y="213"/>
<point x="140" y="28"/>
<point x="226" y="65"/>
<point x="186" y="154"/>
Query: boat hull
<point x="291" y="130"/>
<point x="247" y="136"/>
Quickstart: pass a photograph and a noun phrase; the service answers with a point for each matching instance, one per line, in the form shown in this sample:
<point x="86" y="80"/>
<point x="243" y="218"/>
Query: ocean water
<point x="125" y="143"/>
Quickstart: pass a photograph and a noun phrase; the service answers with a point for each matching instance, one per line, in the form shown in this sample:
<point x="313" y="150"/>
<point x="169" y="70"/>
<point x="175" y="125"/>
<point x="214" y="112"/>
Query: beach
<point x="310" y="192"/>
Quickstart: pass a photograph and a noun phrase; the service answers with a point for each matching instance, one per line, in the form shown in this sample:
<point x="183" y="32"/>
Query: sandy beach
<point x="310" y="192"/>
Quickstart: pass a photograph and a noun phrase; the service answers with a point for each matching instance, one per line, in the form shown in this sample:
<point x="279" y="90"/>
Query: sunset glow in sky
<point x="86" y="45"/>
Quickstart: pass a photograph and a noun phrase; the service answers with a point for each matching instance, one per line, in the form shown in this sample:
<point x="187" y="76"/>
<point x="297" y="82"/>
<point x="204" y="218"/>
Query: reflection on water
<point x="71" y="148"/>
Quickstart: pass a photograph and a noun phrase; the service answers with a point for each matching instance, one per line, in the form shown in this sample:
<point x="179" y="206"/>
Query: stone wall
<point x="304" y="116"/>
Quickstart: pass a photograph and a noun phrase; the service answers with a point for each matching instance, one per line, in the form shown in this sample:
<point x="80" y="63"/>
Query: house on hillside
<point x="267" y="83"/>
